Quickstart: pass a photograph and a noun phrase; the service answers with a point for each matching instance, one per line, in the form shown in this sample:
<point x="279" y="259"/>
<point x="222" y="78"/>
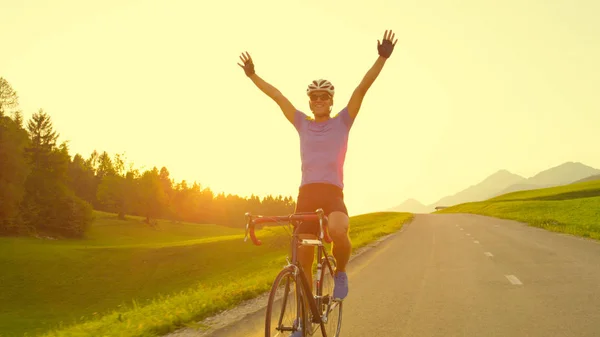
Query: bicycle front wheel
<point x="285" y="309"/>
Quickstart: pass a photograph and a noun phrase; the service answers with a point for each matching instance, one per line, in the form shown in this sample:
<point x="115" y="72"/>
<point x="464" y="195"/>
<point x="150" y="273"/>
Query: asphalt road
<point x="467" y="275"/>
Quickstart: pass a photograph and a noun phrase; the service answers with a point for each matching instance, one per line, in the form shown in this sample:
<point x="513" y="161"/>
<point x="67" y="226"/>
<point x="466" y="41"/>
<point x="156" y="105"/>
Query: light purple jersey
<point x="323" y="147"/>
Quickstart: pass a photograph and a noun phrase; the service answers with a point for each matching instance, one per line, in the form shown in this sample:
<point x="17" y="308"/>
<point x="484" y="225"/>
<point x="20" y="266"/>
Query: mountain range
<point x="503" y="182"/>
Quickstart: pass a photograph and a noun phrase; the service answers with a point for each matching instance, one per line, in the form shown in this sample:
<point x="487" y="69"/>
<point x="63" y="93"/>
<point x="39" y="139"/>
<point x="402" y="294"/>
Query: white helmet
<point x="321" y="85"/>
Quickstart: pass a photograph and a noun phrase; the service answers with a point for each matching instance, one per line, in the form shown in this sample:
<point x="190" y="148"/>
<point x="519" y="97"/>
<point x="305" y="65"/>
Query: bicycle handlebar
<point x="318" y="215"/>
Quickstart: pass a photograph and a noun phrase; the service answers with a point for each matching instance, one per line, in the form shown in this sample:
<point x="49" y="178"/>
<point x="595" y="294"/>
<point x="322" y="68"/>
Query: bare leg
<point x="306" y="256"/>
<point x="342" y="247"/>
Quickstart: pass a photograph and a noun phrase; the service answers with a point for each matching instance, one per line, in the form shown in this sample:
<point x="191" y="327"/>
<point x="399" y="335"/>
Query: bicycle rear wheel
<point x="330" y="309"/>
<point x="285" y="309"/>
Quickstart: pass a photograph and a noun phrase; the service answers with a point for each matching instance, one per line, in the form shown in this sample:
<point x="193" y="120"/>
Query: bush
<point x="73" y="216"/>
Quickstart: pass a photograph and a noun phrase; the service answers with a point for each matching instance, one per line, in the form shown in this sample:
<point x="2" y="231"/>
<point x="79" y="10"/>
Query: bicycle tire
<point x="334" y="319"/>
<point x="291" y="293"/>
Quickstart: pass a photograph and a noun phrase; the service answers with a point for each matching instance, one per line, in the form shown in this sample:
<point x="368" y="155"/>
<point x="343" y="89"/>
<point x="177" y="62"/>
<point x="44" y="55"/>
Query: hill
<point x="411" y="206"/>
<point x="572" y="208"/>
<point x="563" y="174"/>
<point x="590" y="178"/>
<point x="504" y="182"/>
<point x="481" y="191"/>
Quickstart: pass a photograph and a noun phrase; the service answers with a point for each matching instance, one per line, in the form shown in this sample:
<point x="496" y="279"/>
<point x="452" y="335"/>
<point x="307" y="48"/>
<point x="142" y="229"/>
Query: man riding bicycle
<point x="323" y="145"/>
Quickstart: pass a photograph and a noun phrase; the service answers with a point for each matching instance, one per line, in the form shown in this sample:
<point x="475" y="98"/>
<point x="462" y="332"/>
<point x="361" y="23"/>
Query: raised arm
<point x="286" y="106"/>
<point x="385" y="50"/>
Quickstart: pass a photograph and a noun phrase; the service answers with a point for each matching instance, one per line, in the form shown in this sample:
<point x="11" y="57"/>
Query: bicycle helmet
<point x="321" y="85"/>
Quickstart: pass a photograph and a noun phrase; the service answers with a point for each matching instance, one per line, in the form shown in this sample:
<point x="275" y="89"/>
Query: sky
<point x="472" y="87"/>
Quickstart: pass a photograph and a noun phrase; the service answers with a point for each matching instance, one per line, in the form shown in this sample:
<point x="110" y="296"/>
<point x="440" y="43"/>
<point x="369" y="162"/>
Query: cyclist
<point x="323" y="145"/>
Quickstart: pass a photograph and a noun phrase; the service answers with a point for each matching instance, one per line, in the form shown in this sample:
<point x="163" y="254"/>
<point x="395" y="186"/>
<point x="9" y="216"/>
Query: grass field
<point x="127" y="279"/>
<point x="572" y="209"/>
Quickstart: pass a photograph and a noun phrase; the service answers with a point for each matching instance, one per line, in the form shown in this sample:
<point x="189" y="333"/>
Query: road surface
<point x="466" y="275"/>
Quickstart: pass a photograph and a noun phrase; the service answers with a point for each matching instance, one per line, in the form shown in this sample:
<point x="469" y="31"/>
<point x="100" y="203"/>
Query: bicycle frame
<point x="314" y="301"/>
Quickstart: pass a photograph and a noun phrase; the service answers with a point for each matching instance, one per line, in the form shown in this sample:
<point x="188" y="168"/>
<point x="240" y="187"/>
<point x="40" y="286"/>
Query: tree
<point x="114" y="189"/>
<point x="218" y="209"/>
<point x="131" y="191"/>
<point x="42" y="140"/>
<point x="105" y="166"/>
<point x="92" y="161"/>
<point x="9" y="100"/>
<point x="42" y="189"/>
<point x="18" y="118"/>
<point x="39" y="186"/>
<point x="167" y="187"/>
<point x="205" y="203"/>
<point x="49" y="204"/>
<point x="253" y="205"/>
<point x="151" y="195"/>
<point x="14" y="170"/>
<point x="82" y="179"/>
<point x="110" y="194"/>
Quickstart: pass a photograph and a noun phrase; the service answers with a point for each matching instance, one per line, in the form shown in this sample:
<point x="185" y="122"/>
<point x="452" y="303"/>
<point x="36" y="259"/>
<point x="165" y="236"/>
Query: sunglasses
<point x="323" y="97"/>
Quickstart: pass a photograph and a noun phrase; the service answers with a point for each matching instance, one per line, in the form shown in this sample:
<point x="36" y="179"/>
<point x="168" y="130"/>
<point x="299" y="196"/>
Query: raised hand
<point x="248" y="64"/>
<point x="386" y="48"/>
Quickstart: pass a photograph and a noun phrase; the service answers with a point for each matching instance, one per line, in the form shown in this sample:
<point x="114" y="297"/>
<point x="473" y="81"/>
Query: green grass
<point x="108" y="230"/>
<point x="128" y="279"/>
<point x="573" y="191"/>
<point x="572" y="209"/>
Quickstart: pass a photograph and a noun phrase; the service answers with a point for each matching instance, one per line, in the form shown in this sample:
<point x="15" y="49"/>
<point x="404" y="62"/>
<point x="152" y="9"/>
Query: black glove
<point x="386" y="48"/>
<point x="248" y="64"/>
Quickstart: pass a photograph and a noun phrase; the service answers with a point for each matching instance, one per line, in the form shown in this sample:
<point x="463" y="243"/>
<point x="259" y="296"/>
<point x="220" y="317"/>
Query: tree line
<point x="45" y="190"/>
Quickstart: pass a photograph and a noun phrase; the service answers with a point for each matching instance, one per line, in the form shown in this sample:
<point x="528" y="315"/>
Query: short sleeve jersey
<point x="323" y="147"/>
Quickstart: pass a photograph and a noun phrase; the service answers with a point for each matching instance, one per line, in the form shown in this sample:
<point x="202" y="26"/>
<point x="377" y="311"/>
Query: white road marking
<point x="513" y="279"/>
<point x="488" y="254"/>
<point x="475" y="241"/>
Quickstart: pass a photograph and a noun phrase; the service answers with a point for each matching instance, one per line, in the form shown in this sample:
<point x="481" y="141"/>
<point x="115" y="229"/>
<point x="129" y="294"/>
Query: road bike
<point x="290" y="289"/>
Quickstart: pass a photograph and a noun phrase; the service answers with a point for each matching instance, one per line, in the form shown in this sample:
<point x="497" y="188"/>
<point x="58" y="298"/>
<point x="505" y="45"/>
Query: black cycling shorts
<point x="314" y="196"/>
